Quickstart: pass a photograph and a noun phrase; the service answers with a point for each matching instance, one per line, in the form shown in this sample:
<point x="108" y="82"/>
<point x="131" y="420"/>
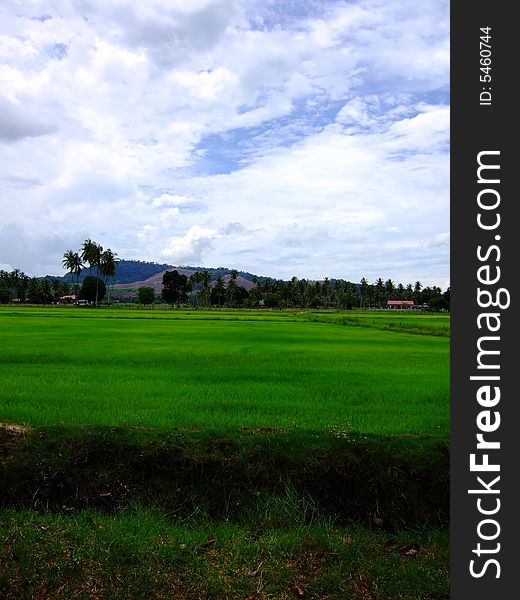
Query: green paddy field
<point x="223" y="454"/>
<point x="224" y="370"/>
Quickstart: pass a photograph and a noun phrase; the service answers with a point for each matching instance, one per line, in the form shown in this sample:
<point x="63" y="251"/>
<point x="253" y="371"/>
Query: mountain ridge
<point x="138" y="271"/>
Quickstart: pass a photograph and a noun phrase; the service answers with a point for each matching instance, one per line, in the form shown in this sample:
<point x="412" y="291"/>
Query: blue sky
<point x="306" y="138"/>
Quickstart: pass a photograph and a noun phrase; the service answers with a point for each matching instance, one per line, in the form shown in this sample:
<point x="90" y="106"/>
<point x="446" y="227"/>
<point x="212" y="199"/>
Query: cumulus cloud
<point x="190" y="247"/>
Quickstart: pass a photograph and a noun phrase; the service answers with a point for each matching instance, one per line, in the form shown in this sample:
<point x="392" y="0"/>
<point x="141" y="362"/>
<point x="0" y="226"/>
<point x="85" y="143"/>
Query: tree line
<point x="201" y="290"/>
<point x="104" y="262"/>
<point x="17" y="286"/>
<point x="197" y="290"/>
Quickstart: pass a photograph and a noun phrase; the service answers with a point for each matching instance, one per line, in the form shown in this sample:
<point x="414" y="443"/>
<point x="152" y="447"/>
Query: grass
<point x="396" y="482"/>
<point x="140" y="554"/>
<point x="220" y="371"/>
<point x="223" y="454"/>
<point x="400" y="321"/>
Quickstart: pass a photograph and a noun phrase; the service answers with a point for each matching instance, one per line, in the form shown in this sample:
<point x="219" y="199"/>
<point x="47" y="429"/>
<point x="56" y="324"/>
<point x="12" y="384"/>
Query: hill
<point x="135" y="273"/>
<point x="155" y="281"/>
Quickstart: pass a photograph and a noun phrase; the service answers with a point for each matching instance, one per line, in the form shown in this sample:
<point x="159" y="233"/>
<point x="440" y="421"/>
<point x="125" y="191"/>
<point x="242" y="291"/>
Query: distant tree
<point x="46" y="293"/>
<point x="303" y="293"/>
<point x="272" y="300"/>
<point x="108" y="267"/>
<point x="5" y="295"/>
<point x="56" y="289"/>
<point x="92" y="252"/>
<point x="364" y="289"/>
<point x="218" y="292"/>
<point x="326" y="292"/>
<point x="267" y="285"/>
<point x="72" y="262"/>
<point x="241" y="296"/>
<point x="175" y="287"/>
<point x="316" y="295"/>
<point x="93" y="289"/>
<point x="438" y="303"/>
<point x="205" y="280"/>
<point x="417" y="292"/>
<point x="446" y="296"/>
<point x="21" y="285"/>
<point x="34" y="291"/>
<point x="89" y="253"/>
<point x="146" y="295"/>
<point x="231" y="289"/>
<point x="379" y="292"/>
<point x="194" y="281"/>
<point x="389" y="289"/>
<point x="351" y="296"/>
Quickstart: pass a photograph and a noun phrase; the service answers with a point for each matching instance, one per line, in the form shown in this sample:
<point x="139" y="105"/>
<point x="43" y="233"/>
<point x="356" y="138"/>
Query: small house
<point x="400" y="304"/>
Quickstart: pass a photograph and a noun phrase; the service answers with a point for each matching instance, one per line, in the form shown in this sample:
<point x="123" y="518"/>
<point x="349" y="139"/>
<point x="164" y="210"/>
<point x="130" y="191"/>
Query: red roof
<point x="400" y="303"/>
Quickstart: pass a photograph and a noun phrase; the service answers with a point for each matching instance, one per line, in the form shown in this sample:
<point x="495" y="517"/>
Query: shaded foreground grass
<point x="140" y="554"/>
<point x="395" y="482"/>
<point x="115" y="514"/>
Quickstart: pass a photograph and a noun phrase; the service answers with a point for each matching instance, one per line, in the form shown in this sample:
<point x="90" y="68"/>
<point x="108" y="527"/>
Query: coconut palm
<point x="89" y="253"/>
<point x="232" y="287"/>
<point x="219" y="289"/>
<point x="206" y="287"/>
<point x="193" y="280"/>
<point x="107" y="267"/>
<point x="72" y="262"/>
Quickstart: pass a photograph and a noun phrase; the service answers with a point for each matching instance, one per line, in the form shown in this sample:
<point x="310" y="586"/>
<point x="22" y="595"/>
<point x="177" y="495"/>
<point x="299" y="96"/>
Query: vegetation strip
<point x="141" y="554"/>
<point x="391" y="482"/>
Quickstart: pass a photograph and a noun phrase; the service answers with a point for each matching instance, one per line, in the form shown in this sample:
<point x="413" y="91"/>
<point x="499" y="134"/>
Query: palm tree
<point x="72" y="262"/>
<point x="363" y="291"/>
<point x="219" y="289"/>
<point x="303" y="292"/>
<point x="107" y="267"/>
<point x="255" y="291"/>
<point x="56" y="289"/>
<point x="193" y="280"/>
<point x="91" y="253"/>
<point x="325" y="291"/>
<point x="389" y="289"/>
<point x="206" y="281"/>
<point x="417" y="292"/>
<point x="379" y="291"/>
<point x="232" y="286"/>
<point x="88" y="253"/>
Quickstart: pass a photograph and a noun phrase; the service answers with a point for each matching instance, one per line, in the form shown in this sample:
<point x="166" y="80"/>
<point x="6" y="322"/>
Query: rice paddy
<point x="224" y="370"/>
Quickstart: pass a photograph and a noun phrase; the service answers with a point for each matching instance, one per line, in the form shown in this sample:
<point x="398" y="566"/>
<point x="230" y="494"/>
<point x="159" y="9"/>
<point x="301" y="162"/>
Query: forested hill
<point x="137" y="270"/>
<point x="129" y="271"/>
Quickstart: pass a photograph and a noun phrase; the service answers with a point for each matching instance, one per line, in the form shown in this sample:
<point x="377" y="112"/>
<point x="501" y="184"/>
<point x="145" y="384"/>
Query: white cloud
<point x="439" y="241"/>
<point x="169" y="213"/>
<point x="191" y="246"/>
<point x="16" y="122"/>
<point x="170" y="200"/>
<point x="295" y="138"/>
